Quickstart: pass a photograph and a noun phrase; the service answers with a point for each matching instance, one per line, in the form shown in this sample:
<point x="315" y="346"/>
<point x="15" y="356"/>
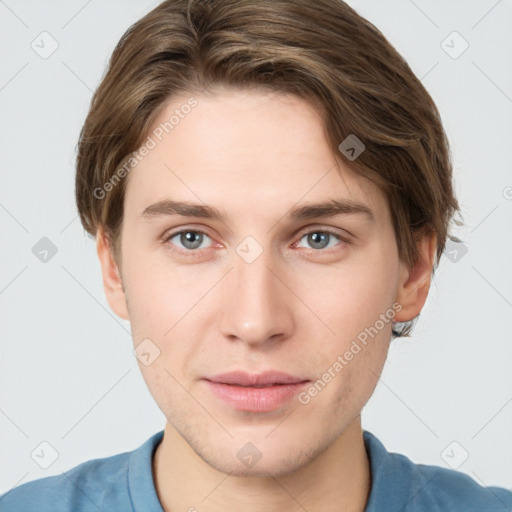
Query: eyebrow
<point x="310" y="211"/>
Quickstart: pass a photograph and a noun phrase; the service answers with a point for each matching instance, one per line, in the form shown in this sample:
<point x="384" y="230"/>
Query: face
<point x="271" y="284"/>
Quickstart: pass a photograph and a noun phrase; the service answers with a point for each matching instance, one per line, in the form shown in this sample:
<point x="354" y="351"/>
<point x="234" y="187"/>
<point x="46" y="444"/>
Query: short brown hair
<point x="322" y="51"/>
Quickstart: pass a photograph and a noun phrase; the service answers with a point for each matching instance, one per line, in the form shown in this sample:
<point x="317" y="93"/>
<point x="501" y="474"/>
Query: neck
<point x="338" y="479"/>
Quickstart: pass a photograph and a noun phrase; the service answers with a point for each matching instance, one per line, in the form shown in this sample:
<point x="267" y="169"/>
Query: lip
<point x="267" y="378"/>
<point x="261" y="392"/>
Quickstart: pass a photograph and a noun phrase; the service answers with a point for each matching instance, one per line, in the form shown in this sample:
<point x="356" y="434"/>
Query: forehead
<point x="250" y="150"/>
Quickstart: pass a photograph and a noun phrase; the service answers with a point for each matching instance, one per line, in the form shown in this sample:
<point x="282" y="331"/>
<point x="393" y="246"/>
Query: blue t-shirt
<point x="124" y="482"/>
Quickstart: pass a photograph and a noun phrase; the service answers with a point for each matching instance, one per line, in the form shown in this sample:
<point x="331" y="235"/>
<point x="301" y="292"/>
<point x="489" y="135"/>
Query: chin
<point x="261" y="456"/>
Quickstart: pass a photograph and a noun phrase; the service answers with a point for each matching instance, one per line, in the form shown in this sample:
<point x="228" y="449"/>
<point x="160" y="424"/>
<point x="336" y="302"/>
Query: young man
<point x="270" y="190"/>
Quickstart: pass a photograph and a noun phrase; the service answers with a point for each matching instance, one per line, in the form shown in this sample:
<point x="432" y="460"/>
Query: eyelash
<point x="190" y="252"/>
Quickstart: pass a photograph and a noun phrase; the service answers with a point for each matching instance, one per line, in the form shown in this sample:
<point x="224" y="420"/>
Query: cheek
<point x="351" y="353"/>
<point x="161" y="294"/>
<point x="348" y="299"/>
<point x="162" y="309"/>
<point x="167" y="306"/>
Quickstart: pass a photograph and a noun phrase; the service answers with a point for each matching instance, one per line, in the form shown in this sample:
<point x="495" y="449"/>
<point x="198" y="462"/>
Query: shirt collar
<point x="396" y="483"/>
<point x="140" y="476"/>
<point x="392" y="483"/>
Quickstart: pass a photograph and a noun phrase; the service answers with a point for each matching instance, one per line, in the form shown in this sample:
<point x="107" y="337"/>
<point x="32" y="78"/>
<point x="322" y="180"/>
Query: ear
<point x="112" y="282"/>
<point x="414" y="282"/>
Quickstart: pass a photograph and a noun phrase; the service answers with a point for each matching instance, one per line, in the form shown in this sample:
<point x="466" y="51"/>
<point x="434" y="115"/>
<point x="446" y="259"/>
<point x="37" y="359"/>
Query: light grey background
<point x="67" y="371"/>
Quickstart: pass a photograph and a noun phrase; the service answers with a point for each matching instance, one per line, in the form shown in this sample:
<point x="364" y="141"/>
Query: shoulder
<point x="97" y="484"/>
<point x="437" y="488"/>
<point x="422" y="487"/>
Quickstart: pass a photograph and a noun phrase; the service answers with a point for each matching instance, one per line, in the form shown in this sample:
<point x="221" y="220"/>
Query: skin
<point x="295" y="308"/>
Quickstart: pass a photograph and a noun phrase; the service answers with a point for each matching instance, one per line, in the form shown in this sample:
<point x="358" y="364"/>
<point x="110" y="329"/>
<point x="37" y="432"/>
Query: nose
<point x="257" y="305"/>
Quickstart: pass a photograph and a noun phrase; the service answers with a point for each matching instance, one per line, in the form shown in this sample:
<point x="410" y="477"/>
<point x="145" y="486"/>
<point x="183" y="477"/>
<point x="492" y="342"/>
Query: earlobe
<point x="414" y="282"/>
<point x="112" y="281"/>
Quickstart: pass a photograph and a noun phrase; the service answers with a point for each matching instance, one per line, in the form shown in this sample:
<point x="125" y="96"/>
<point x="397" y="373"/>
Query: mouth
<point x="265" y="379"/>
<point x="262" y="392"/>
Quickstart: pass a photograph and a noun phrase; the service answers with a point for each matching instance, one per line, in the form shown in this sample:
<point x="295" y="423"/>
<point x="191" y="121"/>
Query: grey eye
<point x="188" y="239"/>
<point x="320" y="239"/>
